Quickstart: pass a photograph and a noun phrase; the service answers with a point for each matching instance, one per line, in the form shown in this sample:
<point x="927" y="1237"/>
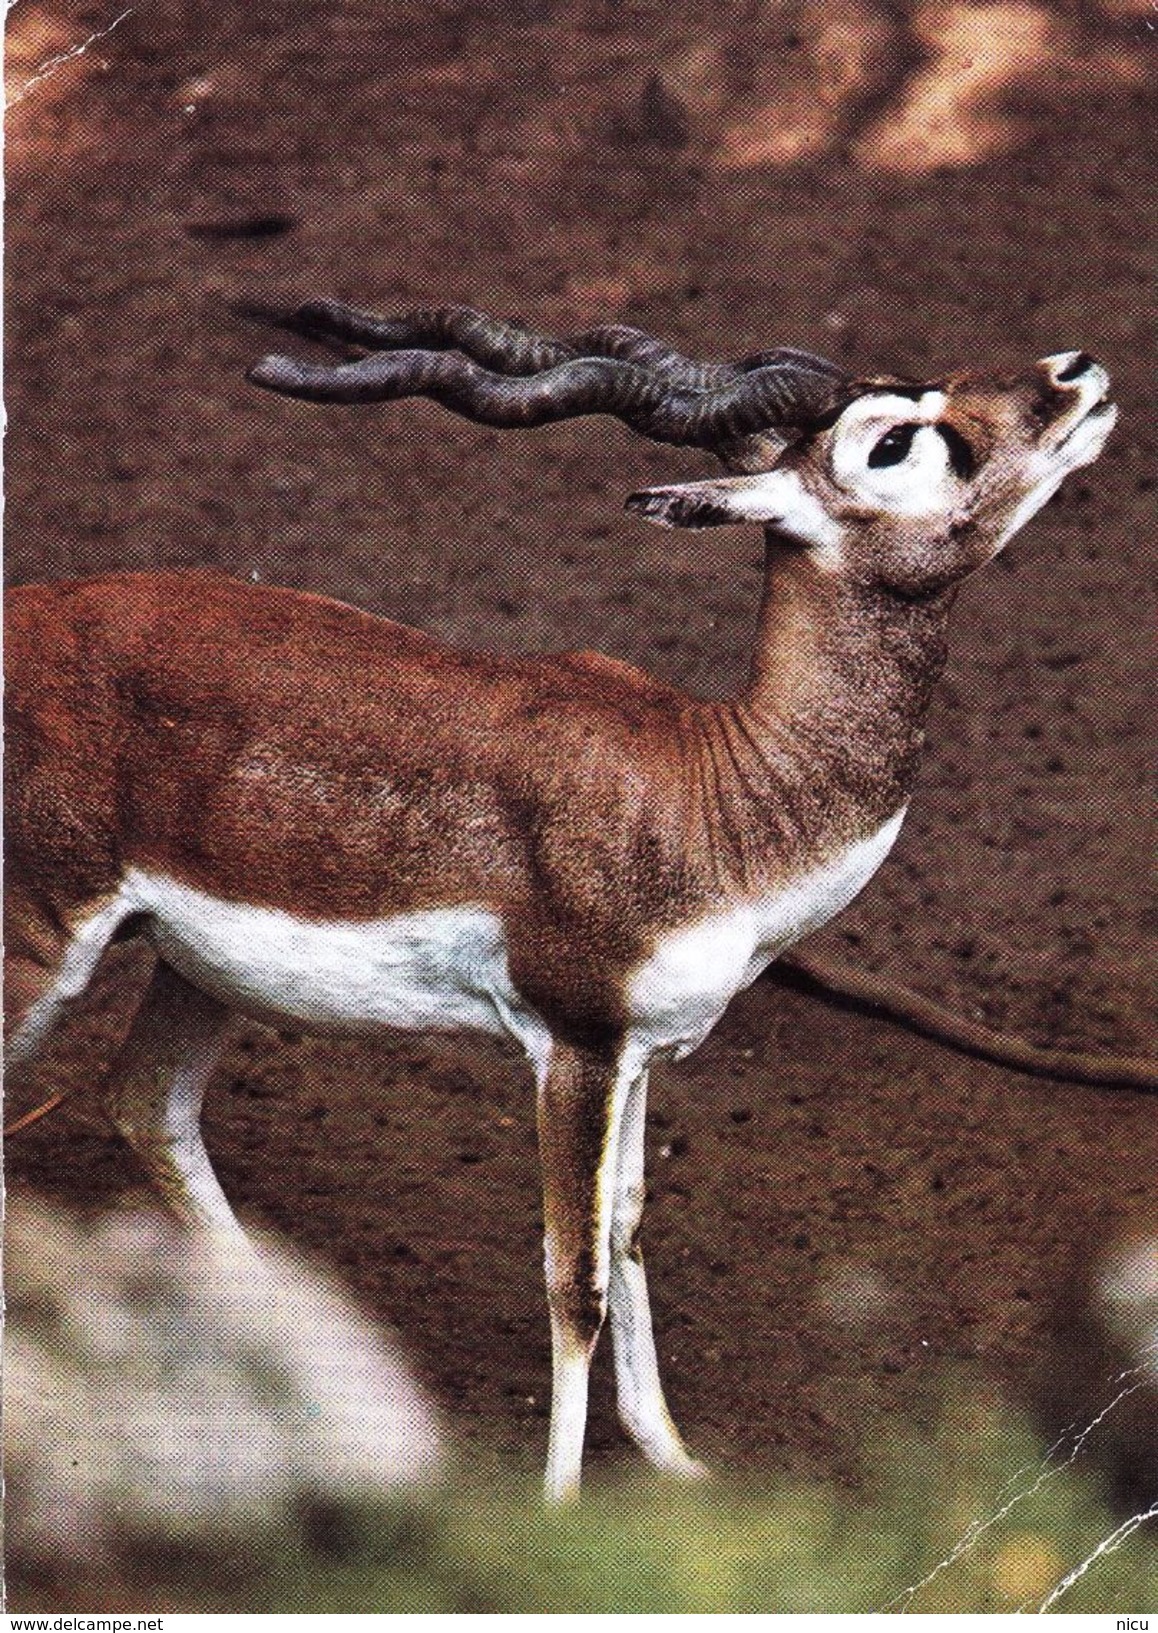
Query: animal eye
<point x="893" y="447"/>
<point x="961" y="455"/>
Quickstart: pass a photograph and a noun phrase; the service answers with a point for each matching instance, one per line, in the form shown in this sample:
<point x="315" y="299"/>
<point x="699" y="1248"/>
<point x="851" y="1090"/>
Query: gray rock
<point x="163" y="1387"/>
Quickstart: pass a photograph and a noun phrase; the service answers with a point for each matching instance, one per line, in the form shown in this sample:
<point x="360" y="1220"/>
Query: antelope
<point x="318" y="816"/>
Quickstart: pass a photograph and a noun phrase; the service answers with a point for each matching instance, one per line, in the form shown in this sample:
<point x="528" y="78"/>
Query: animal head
<point x="914" y="486"/>
<point x="905" y="485"/>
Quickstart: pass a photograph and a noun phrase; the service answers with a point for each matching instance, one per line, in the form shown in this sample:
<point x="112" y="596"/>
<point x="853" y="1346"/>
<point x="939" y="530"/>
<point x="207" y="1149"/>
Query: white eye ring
<point x="872" y="418"/>
<point x="887" y="452"/>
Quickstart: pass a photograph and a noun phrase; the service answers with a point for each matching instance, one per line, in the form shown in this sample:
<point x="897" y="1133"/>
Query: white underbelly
<point x="682" y="988"/>
<point x="446" y="969"/>
<point x="439" y="970"/>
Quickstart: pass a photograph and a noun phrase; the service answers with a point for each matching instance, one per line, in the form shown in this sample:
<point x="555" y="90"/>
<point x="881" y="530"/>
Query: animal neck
<point x="827" y="733"/>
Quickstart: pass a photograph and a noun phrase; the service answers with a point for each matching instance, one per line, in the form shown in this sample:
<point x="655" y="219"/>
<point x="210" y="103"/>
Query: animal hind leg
<point x="32" y="1005"/>
<point x="47" y="966"/>
<point x="643" y="1410"/>
<point x="154" y="1091"/>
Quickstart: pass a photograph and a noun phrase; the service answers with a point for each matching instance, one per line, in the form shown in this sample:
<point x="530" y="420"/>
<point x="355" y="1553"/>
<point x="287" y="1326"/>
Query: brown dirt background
<point x="844" y="1219"/>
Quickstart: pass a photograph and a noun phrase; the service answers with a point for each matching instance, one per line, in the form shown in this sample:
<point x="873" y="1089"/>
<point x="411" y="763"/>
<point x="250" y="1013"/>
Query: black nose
<point x="1075" y="368"/>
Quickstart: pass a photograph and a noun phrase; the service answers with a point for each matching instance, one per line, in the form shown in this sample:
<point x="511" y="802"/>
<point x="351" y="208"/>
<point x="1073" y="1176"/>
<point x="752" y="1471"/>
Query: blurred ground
<point x="837" y="1208"/>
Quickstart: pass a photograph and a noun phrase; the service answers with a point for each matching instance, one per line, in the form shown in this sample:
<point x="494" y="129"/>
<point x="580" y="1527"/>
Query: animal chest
<point x="678" y="993"/>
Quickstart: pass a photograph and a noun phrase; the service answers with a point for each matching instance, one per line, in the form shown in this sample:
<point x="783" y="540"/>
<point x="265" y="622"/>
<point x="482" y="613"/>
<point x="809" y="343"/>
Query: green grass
<point x="647" y="1546"/>
<point x="977" y="1498"/>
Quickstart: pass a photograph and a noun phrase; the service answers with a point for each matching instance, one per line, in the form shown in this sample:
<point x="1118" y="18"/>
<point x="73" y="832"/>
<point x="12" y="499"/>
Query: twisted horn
<point x="506" y="347"/>
<point x="786" y="389"/>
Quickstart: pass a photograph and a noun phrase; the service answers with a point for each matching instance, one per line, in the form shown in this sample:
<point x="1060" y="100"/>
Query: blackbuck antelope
<point x="319" y="816"/>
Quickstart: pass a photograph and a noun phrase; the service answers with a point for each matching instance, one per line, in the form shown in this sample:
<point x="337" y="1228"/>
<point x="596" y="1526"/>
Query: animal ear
<point x="773" y="498"/>
<point x="692" y="504"/>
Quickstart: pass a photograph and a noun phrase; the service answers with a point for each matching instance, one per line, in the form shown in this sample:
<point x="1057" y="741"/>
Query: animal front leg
<point x="643" y="1411"/>
<point x="154" y="1092"/>
<point x="580" y="1108"/>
